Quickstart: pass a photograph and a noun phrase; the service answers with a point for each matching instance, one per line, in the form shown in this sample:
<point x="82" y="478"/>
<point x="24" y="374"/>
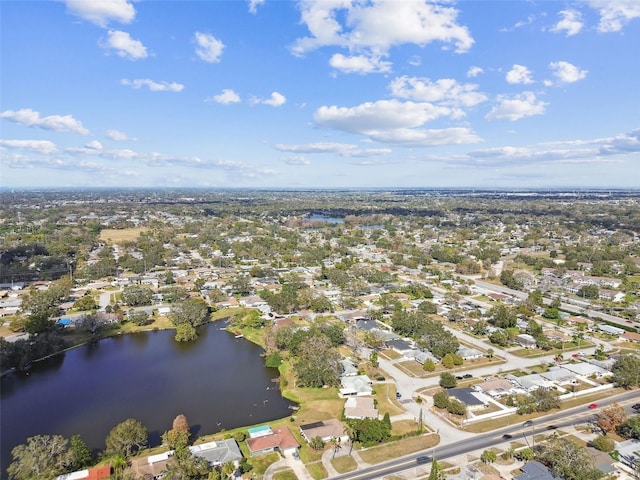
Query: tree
<point x="626" y="371"/>
<point x="185" y="332"/>
<point x="488" y="456"/>
<point x="429" y="365"/>
<point x="589" y="291"/>
<point x="317" y="363"/>
<point x="631" y="428"/>
<point x="80" y="455"/>
<point x="41" y="458"/>
<point x="316" y="443"/>
<point x="456" y="407"/>
<point x="87" y="302"/>
<point x="603" y="443"/>
<point x="175" y="439"/>
<point x="136" y="295"/>
<point x="490" y="353"/>
<point x="185" y="466"/>
<point x="611" y="417"/>
<point x="181" y="424"/>
<point x="567" y="460"/>
<point x="126" y="438"/>
<point x="441" y="399"/>
<point x="193" y="311"/>
<point x="447" y="380"/>
<point x="502" y="316"/>
<point x="373" y="358"/>
<point x="447" y="361"/>
<point x="545" y="399"/>
<point x="436" y="472"/>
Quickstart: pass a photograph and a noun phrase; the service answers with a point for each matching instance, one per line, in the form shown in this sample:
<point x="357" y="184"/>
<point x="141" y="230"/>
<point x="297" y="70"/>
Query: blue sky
<point x="330" y="93"/>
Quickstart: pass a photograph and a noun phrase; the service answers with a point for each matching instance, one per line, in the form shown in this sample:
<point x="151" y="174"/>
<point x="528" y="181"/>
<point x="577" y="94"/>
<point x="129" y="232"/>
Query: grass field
<point x="405" y="446"/>
<point x="120" y="236"/>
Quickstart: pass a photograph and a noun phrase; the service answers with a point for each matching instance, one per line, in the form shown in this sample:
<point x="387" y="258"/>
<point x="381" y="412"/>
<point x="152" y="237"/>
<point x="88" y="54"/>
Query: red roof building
<point x="281" y="439"/>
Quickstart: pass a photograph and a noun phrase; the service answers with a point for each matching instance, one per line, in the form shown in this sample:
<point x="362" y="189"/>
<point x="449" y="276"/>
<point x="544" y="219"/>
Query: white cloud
<point x="566" y="72"/>
<point x="296" y="160"/>
<point x="571" y="22"/>
<point x="116" y="135"/>
<point x="275" y="100"/>
<point x="101" y="12"/>
<point x="614" y="14"/>
<point x="522" y="23"/>
<point x="152" y="85"/>
<point x="359" y="64"/>
<point x="342" y="149"/>
<point x="253" y="5"/>
<point x="124" y="45"/>
<point x="375" y="27"/>
<point x="380" y="115"/>
<point x="519" y="74"/>
<point x="45" y="147"/>
<point x="209" y="47"/>
<point x="428" y="137"/>
<point x="520" y="106"/>
<point x="31" y="118"/>
<point x="94" y="144"/>
<point x="474" y="72"/>
<point x="226" y="97"/>
<point x="596" y="150"/>
<point x="393" y="121"/>
<point x="445" y="90"/>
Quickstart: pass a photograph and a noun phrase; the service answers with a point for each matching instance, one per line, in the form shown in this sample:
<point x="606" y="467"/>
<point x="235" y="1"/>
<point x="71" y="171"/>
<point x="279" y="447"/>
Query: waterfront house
<point x="218" y="452"/>
<point x="280" y="440"/>
<point x="96" y="473"/>
<point x="325" y="429"/>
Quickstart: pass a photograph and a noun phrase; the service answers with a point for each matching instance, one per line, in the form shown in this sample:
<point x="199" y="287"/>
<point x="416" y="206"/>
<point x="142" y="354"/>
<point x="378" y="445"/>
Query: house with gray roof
<point x="469" y="397"/>
<point x="349" y="369"/>
<point x="585" y="369"/>
<point x="218" y="452"/>
<point x="535" y="471"/>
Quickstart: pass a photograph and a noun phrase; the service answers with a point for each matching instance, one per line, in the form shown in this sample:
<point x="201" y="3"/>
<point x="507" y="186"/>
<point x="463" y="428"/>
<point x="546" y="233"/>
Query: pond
<point x="218" y="382"/>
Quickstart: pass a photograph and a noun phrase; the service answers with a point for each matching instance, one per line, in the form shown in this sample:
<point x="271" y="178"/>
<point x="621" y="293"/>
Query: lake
<point x="218" y="382"/>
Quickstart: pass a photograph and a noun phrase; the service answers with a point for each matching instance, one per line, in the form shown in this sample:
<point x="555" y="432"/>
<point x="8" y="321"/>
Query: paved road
<point x="569" y="307"/>
<point x="574" y="416"/>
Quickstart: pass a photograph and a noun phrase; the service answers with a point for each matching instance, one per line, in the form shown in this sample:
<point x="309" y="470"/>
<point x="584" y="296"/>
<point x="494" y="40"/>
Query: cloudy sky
<point x="320" y="93"/>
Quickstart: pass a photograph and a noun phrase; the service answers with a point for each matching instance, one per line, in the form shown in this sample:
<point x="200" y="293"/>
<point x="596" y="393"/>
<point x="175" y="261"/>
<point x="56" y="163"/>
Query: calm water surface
<point x="218" y="382"/>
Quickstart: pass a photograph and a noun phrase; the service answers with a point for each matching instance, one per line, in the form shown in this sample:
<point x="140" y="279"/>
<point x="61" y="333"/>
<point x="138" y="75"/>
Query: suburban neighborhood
<point x="398" y="331"/>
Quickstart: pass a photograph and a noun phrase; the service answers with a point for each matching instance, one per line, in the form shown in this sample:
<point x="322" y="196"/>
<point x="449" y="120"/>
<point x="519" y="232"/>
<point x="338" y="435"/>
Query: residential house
<point x="529" y="382"/>
<point x="535" y="471"/>
<point x="560" y="376"/>
<point x="611" y="330"/>
<point x="96" y="473"/>
<point x="495" y="387"/>
<point x="400" y="346"/>
<point x="151" y="467"/>
<point x="349" y="369"/>
<point x="629" y="453"/>
<point x="219" y="452"/>
<point x="360" y="407"/>
<point x="468" y="353"/>
<point x="584" y="369"/>
<point x="280" y="439"/>
<point x="469" y="397"/>
<point x="526" y="341"/>
<point x="357" y="385"/>
<point x="325" y="429"/>
<point x="631" y="337"/>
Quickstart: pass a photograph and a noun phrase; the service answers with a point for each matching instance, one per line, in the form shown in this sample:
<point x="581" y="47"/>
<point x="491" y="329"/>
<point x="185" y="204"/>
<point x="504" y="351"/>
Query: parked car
<point x="593" y="405"/>
<point x="636" y="406"/>
<point x="467" y="375"/>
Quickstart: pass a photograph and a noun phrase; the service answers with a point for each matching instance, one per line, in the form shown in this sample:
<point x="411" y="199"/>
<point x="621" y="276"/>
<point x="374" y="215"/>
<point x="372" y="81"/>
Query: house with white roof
<point x="358" y="385"/>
